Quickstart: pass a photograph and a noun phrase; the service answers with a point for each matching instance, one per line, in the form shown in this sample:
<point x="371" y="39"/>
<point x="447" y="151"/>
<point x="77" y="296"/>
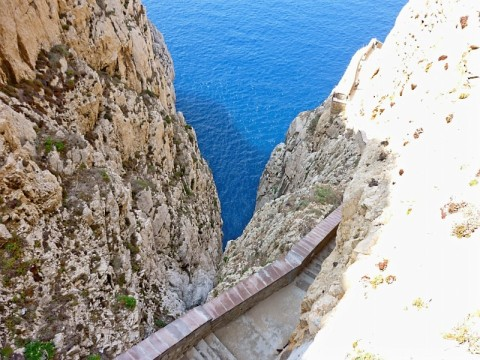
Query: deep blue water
<point x="245" y="69"/>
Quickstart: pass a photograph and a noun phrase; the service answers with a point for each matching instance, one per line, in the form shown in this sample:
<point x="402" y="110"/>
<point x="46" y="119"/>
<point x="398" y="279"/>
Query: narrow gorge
<point x="110" y="220"/>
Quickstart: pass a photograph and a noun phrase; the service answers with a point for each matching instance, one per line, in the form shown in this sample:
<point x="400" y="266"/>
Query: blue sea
<point x="245" y="69"/>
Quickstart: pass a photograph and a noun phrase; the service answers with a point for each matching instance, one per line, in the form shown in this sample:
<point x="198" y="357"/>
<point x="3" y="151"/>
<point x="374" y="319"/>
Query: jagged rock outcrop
<point x="318" y="149"/>
<point x="110" y="223"/>
<point x="301" y="184"/>
<point x="114" y="37"/>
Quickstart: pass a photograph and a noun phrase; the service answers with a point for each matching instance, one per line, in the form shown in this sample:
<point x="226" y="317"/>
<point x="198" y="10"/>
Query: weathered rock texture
<point x="403" y="282"/>
<point x="110" y="222"/>
<point x="302" y="183"/>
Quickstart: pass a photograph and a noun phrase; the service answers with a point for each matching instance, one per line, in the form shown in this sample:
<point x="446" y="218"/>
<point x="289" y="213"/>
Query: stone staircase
<point x="263" y="331"/>
<point x="253" y="319"/>
<point x="308" y="275"/>
<point x="209" y="348"/>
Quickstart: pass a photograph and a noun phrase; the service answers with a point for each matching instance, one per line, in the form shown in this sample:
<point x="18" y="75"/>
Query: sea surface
<point x="245" y="69"/>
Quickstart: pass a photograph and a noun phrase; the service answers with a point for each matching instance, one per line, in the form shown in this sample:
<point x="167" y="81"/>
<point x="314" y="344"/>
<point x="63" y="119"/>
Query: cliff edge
<point x="406" y="249"/>
<point x="109" y="216"/>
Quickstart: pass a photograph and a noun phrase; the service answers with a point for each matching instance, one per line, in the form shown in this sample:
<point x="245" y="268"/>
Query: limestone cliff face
<point x="110" y="223"/>
<point x="301" y="184"/>
<point x="402" y="283"/>
<point x="114" y="37"/>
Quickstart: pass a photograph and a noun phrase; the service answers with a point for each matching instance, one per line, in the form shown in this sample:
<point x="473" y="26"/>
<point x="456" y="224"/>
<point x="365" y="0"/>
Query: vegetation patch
<point x="128" y="302"/>
<point x="12" y="264"/>
<point x="37" y="350"/>
<point x="168" y="119"/>
<point x="94" y="357"/>
<point x="140" y="184"/>
<point x="360" y="354"/>
<point x="48" y="87"/>
<point x="464" y="230"/>
<point x="377" y="280"/>
<point x="471" y="219"/>
<point x="159" y="323"/>
<point x="149" y="93"/>
<point x="325" y="194"/>
<point x="6" y="352"/>
<point x="50" y="144"/>
<point x="419" y="303"/>
<point x="187" y="190"/>
<point x="105" y="176"/>
<point x="312" y="126"/>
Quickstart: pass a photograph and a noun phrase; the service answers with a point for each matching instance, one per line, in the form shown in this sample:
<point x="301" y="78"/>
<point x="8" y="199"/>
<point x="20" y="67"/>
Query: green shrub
<point x="160" y="323"/>
<point x="105" y="176"/>
<point x="187" y="190"/>
<point x="312" y="126"/>
<point x="142" y="184"/>
<point x="128" y="302"/>
<point x="37" y="350"/>
<point x="70" y="84"/>
<point x="6" y="352"/>
<point x="50" y="144"/>
<point x="12" y="264"/>
<point x="60" y="49"/>
<point x="326" y="195"/>
<point x="94" y="357"/>
<point x="149" y="93"/>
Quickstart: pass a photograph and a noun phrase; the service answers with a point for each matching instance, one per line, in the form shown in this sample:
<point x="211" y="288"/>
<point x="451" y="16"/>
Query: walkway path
<point x="253" y="319"/>
<point x="263" y="331"/>
<point x="349" y="82"/>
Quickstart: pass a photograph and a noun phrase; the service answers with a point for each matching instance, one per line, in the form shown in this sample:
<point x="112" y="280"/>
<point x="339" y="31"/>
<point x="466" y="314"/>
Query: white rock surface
<point x="420" y="93"/>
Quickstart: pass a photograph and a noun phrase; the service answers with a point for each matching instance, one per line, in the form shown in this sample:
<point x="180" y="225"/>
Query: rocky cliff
<point x="109" y="218"/>
<point x="302" y="183"/>
<point x="404" y="263"/>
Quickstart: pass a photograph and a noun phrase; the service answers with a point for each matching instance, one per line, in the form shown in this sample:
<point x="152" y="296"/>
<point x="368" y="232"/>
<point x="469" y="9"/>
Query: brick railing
<point x="177" y="337"/>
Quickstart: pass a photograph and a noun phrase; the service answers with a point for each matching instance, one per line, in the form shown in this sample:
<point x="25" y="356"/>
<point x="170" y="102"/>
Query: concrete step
<point x="315" y="265"/>
<point x="264" y="330"/>
<point x="206" y="351"/>
<point x="193" y="354"/>
<point x="243" y="340"/>
<point x="310" y="273"/>
<point x="303" y="282"/>
<point x="220" y="349"/>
